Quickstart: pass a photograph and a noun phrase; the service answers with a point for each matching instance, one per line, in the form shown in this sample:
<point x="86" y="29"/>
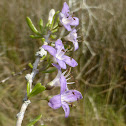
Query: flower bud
<point x="50" y="86"/>
<point x="51" y="14"/>
<point x="41" y="52"/>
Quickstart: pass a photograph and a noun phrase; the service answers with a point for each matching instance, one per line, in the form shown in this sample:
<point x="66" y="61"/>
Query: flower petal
<point x="55" y="102"/>
<point x="75" y="21"/>
<point x="74" y="31"/>
<point x="56" y="80"/>
<point x="63" y="84"/>
<point x="70" y="61"/>
<point x="68" y="27"/>
<point x="50" y="49"/>
<point x="61" y="63"/>
<point x="59" y="45"/>
<point x="57" y="66"/>
<point x="65" y="9"/>
<point x="71" y="96"/>
<point x="72" y="36"/>
<point x="67" y="20"/>
<point x="66" y="108"/>
<point x="76" y="46"/>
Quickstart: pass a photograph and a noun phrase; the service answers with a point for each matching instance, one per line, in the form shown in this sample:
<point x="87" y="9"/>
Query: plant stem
<point x="26" y="102"/>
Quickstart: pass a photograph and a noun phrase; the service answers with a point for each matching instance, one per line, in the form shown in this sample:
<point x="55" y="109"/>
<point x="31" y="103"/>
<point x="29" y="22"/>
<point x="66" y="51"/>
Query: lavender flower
<point x="66" y="19"/>
<point x="64" y="98"/>
<point x="72" y="36"/>
<point x="56" y="81"/>
<point x="58" y="53"/>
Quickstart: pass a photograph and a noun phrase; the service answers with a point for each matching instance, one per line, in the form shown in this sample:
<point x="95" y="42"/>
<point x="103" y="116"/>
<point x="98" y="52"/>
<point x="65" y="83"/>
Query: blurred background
<point x="100" y="75"/>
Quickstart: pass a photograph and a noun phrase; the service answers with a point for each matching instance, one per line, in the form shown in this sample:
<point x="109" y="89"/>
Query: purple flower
<point x="72" y="36"/>
<point x="56" y="81"/>
<point x="66" y="19"/>
<point x="64" y="98"/>
<point x="58" y="53"/>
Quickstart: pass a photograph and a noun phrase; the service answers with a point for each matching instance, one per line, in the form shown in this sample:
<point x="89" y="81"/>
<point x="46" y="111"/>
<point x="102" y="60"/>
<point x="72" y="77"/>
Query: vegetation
<point x="100" y="76"/>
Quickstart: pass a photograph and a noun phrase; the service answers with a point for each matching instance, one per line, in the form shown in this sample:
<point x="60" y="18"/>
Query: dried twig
<point x="84" y="67"/>
<point x="94" y="107"/>
<point x="14" y="75"/>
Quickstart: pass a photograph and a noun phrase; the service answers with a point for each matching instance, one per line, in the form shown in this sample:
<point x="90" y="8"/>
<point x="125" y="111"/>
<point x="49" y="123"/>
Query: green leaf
<point x="43" y="57"/>
<point x="54" y="19"/>
<point x="49" y="70"/>
<point x="35" y="36"/>
<point x="34" y="120"/>
<point x="43" y="39"/>
<point x="53" y="36"/>
<point x="28" y="88"/>
<point x="41" y="25"/>
<point x="55" y="30"/>
<point x="31" y="25"/>
<point x="13" y="73"/>
<point x="30" y="65"/>
<point x="38" y="88"/>
<point x="56" y="24"/>
<point x="48" y="23"/>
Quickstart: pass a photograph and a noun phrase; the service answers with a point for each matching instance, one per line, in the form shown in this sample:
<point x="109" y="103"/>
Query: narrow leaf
<point x="43" y="57"/>
<point x="55" y="30"/>
<point x="31" y="25"/>
<point x="35" y="36"/>
<point x="34" y="120"/>
<point x="54" y="19"/>
<point x="30" y="65"/>
<point x="37" y="91"/>
<point x="53" y="36"/>
<point x="43" y="39"/>
<point x="28" y="88"/>
<point x="41" y="25"/>
<point x="49" y="71"/>
<point x="38" y="88"/>
<point x="56" y="24"/>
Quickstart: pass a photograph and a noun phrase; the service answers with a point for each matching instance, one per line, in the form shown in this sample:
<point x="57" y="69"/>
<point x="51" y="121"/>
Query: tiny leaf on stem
<point x="35" y="36"/>
<point x="31" y="25"/>
<point x="28" y="88"/>
<point x="38" y="88"/>
<point x="41" y="25"/>
<point x="54" y="19"/>
<point x="53" y="36"/>
<point x="30" y="65"/>
<point x="34" y="120"/>
<point x="49" y="70"/>
<point x="55" y="30"/>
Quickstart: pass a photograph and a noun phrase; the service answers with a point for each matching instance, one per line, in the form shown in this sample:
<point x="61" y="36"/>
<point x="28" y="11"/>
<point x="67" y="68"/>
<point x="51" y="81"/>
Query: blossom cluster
<point x="66" y="96"/>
